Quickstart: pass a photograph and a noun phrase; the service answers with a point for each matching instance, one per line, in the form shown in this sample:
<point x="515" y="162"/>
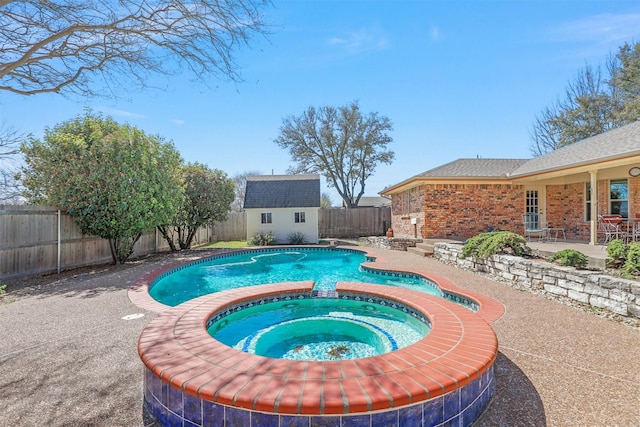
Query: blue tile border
<point x="293" y="296"/>
<point x="460" y="407"/>
<point x="450" y="296"/>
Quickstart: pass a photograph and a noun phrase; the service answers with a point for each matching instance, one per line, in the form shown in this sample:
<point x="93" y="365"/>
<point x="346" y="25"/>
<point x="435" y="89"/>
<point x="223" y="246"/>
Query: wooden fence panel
<point x="358" y="222"/>
<point x="234" y="228"/>
<point x="29" y="237"/>
<point x="29" y="242"/>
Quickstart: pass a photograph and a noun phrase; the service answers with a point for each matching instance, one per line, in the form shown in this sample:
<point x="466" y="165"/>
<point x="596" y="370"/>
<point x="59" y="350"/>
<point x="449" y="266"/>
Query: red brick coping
<point x="460" y="347"/>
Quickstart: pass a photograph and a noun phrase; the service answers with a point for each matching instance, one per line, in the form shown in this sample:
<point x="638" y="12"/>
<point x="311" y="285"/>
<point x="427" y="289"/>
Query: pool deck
<point x="69" y="356"/>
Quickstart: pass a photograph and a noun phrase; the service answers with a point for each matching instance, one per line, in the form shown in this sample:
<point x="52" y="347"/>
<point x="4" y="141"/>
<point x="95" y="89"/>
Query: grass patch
<point x="234" y="244"/>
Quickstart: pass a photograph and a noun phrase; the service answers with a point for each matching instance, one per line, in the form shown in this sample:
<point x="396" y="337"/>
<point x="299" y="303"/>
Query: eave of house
<point x="605" y="168"/>
<point x="417" y="181"/>
<point x="608" y="168"/>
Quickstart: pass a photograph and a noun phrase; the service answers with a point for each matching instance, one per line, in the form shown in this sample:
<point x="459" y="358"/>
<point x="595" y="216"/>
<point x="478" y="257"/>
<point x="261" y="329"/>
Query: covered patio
<point x="566" y="189"/>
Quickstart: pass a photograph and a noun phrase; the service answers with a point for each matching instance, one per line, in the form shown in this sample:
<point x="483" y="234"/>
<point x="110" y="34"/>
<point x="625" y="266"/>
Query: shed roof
<point x="282" y="191"/>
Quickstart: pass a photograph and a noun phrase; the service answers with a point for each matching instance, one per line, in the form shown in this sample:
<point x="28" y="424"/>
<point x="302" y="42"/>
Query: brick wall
<point x="402" y="213"/>
<point x="565" y="209"/>
<point x="464" y="210"/>
<point x="461" y="210"/>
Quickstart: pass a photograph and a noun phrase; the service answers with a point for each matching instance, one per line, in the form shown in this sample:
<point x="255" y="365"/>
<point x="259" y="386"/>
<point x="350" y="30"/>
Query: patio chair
<point x="633" y="227"/>
<point x="609" y="226"/>
<point x="532" y="228"/>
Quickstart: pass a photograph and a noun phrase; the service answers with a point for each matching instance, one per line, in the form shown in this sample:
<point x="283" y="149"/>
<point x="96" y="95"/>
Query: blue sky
<point x="457" y="79"/>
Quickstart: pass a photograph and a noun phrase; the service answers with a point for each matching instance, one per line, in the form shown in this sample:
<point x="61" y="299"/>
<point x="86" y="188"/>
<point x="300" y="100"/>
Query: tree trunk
<point x="165" y="233"/>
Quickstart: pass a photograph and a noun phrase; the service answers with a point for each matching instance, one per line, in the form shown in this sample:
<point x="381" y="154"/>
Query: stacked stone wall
<point x="394" y="243"/>
<point x="593" y="288"/>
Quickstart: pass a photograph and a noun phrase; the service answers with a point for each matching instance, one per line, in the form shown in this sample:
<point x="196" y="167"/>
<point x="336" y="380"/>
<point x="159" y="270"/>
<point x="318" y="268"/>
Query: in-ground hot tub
<point x="445" y="377"/>
<point x="317" y="329"/>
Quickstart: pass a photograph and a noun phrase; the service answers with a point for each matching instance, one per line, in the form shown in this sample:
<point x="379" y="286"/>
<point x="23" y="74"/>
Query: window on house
<point x="531" y="202"/>
<point x="619" y="197"/>
<point x="265" y="218"/>
<point x="404" y="206"/>
<point x="408" y="200"/>
<point x="299" y="217"/>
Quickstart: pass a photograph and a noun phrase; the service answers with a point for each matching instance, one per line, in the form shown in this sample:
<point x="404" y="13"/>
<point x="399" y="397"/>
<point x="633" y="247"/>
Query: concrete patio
<point x="596" y="253"/>
<point x="68" y="355"/>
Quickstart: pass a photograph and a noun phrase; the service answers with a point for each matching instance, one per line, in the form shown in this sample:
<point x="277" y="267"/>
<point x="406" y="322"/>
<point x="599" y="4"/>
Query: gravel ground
<point x="68" y="357"/>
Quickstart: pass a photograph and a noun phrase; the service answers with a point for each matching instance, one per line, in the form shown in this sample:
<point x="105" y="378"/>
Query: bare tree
<point x="325" y="200"/>
<point x="586" y="110"/>
<point x="342" y="144"/>
<point x="241" y="187"/>
<point x="53" y="46"/>
<point x="596" y="101"/>
<point x="10" y="188"/>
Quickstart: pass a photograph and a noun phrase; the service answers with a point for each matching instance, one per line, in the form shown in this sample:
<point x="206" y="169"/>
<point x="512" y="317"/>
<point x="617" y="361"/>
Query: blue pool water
<point x="323" y="266"/>
<point x="318" y="329"/>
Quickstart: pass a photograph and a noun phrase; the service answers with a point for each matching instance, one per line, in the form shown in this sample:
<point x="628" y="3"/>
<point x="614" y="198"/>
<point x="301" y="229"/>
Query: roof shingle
<point x="282" y="191"/>
<point x="622" y="141"/>
<point x="474" y="168"/>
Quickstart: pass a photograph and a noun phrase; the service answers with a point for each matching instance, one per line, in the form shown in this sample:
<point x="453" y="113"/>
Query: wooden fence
<point x="358" y="222"/>
<point x="42" y="239"/>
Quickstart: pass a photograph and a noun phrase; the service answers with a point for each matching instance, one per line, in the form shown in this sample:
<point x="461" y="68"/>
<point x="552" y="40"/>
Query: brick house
<point x="468" y="196"/>
<point x="283" y="205"/>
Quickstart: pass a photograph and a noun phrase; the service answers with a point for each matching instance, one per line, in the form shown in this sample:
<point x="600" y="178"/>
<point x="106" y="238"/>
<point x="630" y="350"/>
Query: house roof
<point x="375" y="201"/>
<point x="614" y="144"/>
<point x="619" y="142"/>
<point x="282" y="191"/>
<point x="474" y="168"/>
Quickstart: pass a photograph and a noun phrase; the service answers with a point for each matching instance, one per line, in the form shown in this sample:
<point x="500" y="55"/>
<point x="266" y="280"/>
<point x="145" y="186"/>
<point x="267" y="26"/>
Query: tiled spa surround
<point x="444" y="379"/>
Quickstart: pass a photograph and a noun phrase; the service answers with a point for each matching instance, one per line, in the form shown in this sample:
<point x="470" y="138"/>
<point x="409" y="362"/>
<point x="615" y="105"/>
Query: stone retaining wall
<point x="594" y="288"/>
<point x="395" y="243"/>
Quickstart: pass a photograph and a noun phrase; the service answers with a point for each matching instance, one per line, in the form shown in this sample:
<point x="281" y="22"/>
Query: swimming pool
<point x="325" y="267"/>
<point x="444" y="378"/>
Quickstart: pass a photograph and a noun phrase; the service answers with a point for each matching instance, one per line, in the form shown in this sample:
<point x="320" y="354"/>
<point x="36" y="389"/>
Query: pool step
<point x="422" y="249"/>
<point x="324" y="293"/>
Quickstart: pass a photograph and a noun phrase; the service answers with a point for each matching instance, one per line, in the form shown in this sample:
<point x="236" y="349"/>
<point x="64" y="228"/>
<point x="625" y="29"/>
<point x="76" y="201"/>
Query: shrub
<point x="617" y="252"/>
<point x="296" y="238"/>
<point x="570" y="258"/>
<point x="485" y="245"/>
<point x="631" y="265"/>
<point x="263" y="239"/>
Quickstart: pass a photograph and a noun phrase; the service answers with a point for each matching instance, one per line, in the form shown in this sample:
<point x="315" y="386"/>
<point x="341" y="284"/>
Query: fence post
<point x="59" y="238"/>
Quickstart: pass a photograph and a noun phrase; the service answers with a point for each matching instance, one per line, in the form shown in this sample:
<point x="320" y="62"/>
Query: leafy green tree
<point x="207" y="199"/>
<point x="594" y="102"/>
<point x="113" y="179"/>
<point x="340" y="143"/>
